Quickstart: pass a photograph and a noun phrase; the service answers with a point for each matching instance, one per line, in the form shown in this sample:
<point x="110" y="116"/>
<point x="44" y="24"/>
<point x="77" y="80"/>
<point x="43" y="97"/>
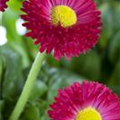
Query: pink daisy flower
<point x="3" y="5"/>
<point x="86" y="101"/>
<point x="66" y="27"/>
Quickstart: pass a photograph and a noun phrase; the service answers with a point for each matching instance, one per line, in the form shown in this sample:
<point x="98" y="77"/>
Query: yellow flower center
<point x="88" y="114"/>
<point x="63" y="15"/>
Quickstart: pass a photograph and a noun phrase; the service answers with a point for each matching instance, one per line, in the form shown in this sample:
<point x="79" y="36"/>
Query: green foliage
<point x="13" y="75"/>
<point x="101" y="64"/>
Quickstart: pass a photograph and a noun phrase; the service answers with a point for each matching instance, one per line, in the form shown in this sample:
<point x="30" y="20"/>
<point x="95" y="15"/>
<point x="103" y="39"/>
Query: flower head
<point x="66" y="27"/>
<point x="86" y="101"/>
<point x="3" y="5"/>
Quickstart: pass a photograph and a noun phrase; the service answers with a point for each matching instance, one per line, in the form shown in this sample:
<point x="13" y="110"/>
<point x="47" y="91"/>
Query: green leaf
<point x="59" y="79"/>
<point x="1" y="109"/>
<point x="110" y="20"/>
<point x="15" y="5"/>
<point x="1" y="69"/>
<point x="38" y="90"/>
<point x="114" y="49"/>
<point x="16" y="41"/>
<point x="115" y="77"/>
<point x="88" y="65"/>
<point x="2" y="103"/>
<point x="12" y="81"/>
<point x="31" y="112"/>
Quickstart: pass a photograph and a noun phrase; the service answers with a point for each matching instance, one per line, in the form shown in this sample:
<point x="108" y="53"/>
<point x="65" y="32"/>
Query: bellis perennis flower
<point x="3" y="5"/>
<point x="66" y="27"/>
<point x="86" y="101"/>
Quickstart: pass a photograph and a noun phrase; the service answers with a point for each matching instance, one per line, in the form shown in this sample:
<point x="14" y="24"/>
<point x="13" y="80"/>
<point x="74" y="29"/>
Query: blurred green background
<point x="101" y="64"/>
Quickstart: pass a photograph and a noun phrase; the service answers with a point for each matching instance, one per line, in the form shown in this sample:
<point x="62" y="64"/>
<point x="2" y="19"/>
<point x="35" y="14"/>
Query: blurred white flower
<point x="3" y="38"/>
<point x="20" y="29"/>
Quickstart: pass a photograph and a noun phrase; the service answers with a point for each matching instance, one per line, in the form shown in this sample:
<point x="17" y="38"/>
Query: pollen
<point x="63" y="15"/>
<point x="88" y="114"/>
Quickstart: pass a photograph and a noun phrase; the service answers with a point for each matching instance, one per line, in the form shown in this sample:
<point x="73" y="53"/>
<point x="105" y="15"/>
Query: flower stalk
<point x="28" y="87"/>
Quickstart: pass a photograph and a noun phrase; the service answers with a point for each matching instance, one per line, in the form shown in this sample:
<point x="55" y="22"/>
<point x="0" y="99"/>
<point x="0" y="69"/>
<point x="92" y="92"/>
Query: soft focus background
<point x="18" y="52"/>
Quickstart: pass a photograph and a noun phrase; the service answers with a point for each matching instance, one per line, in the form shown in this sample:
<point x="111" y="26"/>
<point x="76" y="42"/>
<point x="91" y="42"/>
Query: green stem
<point x="28" y="87"/>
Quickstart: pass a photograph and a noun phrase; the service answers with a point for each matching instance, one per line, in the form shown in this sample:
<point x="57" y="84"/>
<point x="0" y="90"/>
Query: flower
<point x="86" y="101"/>
<point x="66" y="27"/>
<point x="3" y="5"/>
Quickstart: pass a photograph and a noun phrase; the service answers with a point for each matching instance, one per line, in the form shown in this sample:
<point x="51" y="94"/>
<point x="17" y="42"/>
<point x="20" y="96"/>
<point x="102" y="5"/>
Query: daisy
<point x="66" y="27"/>
<point x="3" y="5"/>
<point x="86" y="101"/>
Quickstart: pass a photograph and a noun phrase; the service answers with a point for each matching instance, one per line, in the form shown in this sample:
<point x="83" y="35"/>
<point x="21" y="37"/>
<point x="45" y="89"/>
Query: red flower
<point x="86" y="101"/>
<point x="3" y="5"/>
<point x="68" y="27"/>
